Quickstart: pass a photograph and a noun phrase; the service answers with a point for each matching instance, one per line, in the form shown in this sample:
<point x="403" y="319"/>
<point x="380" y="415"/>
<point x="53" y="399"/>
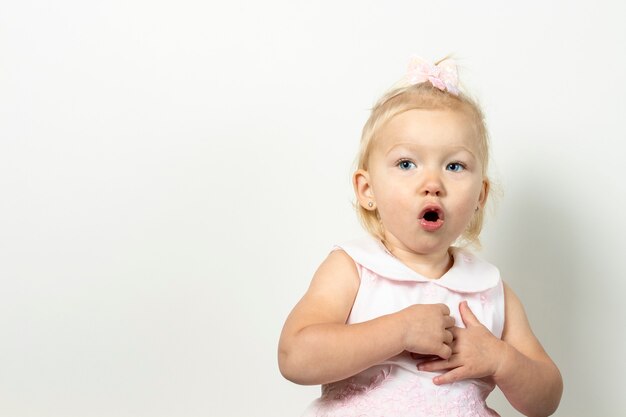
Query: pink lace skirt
<point x="392" y="391"/>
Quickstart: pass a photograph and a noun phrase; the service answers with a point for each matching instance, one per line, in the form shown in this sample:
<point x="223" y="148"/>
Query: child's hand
<point x="476" y="352"/>
<point x="427" y="329"/>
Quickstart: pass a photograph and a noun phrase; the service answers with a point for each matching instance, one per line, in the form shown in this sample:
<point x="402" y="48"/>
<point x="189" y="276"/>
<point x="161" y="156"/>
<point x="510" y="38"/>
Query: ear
<point x="363" y="189"/>
<point x="484" y="193"/>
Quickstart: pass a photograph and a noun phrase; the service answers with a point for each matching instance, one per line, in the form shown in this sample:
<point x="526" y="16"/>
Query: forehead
<point x="429" y="127"/>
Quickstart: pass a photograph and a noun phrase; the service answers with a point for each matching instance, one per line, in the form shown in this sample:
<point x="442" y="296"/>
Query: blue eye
<point x="405" y="164"/>
<point x="455" y="167"/>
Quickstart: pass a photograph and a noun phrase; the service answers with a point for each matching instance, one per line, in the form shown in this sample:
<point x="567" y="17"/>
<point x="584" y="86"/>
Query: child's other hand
<point x="427" y="329"/>
<point x="476" y="352"/>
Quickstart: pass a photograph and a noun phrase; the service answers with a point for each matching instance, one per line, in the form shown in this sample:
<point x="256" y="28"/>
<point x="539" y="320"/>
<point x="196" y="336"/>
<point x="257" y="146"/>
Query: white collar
<point x="468" y="273"/>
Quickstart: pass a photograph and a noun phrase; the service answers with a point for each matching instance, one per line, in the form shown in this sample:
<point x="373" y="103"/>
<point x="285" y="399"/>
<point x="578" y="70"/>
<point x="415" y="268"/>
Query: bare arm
<point x="527" y="376"/>
<point x="518" y="363"/>
<point x="317" y="346"/>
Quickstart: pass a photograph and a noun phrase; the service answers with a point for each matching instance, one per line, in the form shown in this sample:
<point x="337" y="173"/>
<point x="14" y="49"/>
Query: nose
<point x="432" y="185"/>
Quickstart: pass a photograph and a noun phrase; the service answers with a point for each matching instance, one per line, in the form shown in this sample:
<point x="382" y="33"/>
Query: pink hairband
<point x="443" y="75"/>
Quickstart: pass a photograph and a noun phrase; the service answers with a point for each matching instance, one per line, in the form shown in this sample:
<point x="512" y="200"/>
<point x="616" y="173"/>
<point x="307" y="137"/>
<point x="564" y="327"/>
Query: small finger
<point x="445" y="309"/>
<point x="455" y="331"/>
<point x="434" y="366"/>
<point x="446" y="352"/>
<point x="454" y="375"/>
<point x="422" y="357"/>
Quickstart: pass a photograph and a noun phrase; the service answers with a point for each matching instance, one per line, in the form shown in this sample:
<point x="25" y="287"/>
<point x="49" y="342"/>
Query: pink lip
<point x="431" y="225"/>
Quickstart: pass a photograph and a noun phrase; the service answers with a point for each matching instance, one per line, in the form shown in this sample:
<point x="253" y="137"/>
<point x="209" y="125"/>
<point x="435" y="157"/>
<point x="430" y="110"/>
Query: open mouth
<point x="431" y="214"/>
<point x="431" y="218"/>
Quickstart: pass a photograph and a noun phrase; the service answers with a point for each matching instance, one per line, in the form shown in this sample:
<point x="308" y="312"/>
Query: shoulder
<point x="330" y="295"/>
<point x="337" y="277"/>
<point x="517" y="331"/>
<point x="512" y="300"/>
<point x="342" y="265"/>
<point x="514" y="311"/>
<point x="337" y="269"/>
<point x="363" y="249"/>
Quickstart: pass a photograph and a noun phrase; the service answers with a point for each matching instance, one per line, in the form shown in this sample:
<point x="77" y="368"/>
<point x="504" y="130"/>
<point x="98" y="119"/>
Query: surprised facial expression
<point x="425" y="176"/>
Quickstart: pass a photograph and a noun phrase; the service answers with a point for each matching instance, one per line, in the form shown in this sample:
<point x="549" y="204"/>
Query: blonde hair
<point x="421" y="96"/>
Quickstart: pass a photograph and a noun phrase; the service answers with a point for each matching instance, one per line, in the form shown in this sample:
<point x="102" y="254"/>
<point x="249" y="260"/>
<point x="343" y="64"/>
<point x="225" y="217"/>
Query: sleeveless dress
<point x="395" y="387"/>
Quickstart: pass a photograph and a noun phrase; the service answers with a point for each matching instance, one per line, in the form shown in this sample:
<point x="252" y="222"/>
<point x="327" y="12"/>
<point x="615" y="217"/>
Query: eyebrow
<point x="411" y="146"/>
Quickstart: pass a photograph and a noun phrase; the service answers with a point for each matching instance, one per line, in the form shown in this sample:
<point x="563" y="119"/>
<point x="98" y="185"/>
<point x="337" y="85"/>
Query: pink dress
<point x="395" y="387"/>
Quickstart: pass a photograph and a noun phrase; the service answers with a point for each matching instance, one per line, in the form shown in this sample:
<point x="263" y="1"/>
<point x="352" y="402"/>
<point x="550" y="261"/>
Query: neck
<point x="430" y="265"/>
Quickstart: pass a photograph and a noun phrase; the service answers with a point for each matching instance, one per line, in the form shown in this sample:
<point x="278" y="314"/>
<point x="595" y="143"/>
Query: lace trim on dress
<point x="414" y="398"/>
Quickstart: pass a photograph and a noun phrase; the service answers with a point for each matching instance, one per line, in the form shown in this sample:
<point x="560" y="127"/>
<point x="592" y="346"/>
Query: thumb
<point x="467" y="315"/>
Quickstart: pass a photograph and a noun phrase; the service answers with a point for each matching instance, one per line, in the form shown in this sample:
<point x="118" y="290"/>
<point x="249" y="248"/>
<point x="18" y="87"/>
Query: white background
<point x="172" y="173"/>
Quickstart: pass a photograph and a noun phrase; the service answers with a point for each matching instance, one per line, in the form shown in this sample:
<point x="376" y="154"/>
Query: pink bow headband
<point x="443" y="75"/>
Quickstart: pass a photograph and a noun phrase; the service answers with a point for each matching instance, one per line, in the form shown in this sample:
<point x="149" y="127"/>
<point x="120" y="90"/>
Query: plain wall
<point x="172" y="173"/>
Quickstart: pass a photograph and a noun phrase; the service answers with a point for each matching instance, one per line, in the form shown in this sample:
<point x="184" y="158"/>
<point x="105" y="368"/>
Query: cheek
<point x="391" y="193"/>
<point x="474" y="200"/>
<point x="392" y="201"/>
<point x="470" y="199"/>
